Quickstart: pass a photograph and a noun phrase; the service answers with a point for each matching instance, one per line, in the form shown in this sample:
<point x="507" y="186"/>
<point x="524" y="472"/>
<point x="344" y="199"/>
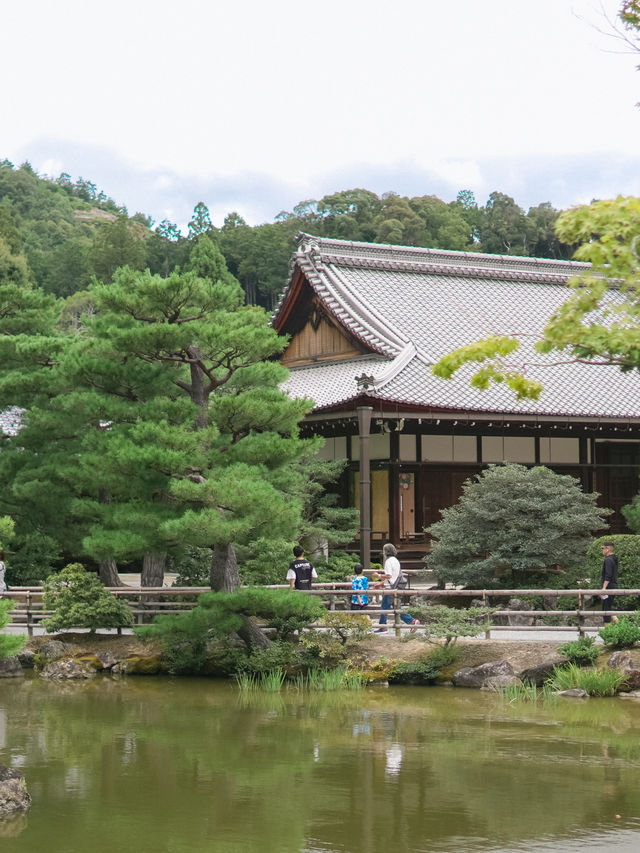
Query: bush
<point x="265" y="561"/>
<point x="193" y="566"/>
<point x="185" y="637"/>
<point x="338" y="568"/>
<point x="596" y="682"/>
<point x="582" y="652"/>
<point x="34" y="558"/>
<point x="449" y="623"/>
<point x="80" y="601"/>
<point x="426" y="670"/>
<point x="512" y="519"/>
<point x="623" y="633"/>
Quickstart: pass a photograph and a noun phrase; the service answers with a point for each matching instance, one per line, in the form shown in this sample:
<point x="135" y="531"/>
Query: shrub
<point x="10" y="644"/>
<point x="581" y="652"/>
<point x="193" y="566"/>
<point x="596" y="682"/>
<point x="623" y="633"/>
<point x="185" y="637"/>
<point x="80" y="601"/>
<point x="265" y="561"/>
<point x="449" y="623"/>
<point x="427" y="669"/>
<point x="512" y="519"/>
<point x="338" y="568"/>
<point x="34" y="558"/>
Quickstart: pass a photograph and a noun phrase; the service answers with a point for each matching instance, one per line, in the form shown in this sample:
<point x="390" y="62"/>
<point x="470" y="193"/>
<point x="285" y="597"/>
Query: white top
<point x="391" y="567"/>
<point x="3" y="585"/>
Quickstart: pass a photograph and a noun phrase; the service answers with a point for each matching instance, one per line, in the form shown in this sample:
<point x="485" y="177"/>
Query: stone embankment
<point x="483" y="664"/>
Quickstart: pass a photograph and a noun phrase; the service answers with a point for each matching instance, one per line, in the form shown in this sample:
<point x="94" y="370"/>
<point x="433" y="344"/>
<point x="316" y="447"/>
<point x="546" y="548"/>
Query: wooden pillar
<point x="364" y="424"/>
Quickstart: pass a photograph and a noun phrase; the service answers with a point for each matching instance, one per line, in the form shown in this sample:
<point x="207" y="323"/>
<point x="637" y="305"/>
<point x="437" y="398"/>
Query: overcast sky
<point x="253" y="106"/>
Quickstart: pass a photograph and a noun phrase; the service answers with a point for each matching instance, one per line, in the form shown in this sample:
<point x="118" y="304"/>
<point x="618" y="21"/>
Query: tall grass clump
<point x="622" y="634"/>
<point x="513" y="693"/>
<point x="330" y="679"/>
<point x="596" y="682"/>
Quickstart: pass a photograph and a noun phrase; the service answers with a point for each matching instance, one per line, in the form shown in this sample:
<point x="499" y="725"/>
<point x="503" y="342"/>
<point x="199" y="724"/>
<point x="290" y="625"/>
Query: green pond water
<point x="188" y="765"/>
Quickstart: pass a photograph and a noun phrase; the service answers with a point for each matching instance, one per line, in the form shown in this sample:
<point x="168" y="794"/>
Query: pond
<point x="189" y="765"/>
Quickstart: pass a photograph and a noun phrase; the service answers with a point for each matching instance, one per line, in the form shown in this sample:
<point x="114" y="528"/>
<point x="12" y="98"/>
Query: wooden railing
<point x="147" y="602"/>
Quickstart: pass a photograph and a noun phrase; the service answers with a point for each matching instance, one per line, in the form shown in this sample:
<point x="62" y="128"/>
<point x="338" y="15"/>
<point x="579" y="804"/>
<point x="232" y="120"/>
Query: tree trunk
<point x="153" y="567"/>
<point x="224" y="575"/>
<point x="108" y="572"/>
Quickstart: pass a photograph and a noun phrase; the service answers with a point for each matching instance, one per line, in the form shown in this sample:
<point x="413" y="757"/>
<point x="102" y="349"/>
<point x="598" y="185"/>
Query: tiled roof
<point x="10" y="421"/>
<point x="411" y="306"/>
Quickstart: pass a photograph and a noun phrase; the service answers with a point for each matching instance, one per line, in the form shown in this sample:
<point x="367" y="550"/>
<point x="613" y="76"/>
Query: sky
<point x="254" y="105"/>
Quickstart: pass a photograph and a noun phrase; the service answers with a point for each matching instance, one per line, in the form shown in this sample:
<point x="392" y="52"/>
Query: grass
<point x="513" y="693"/>
<point x="330" y="679"/>
<point x="315" y="679"/>
<point x="596" y="682"/>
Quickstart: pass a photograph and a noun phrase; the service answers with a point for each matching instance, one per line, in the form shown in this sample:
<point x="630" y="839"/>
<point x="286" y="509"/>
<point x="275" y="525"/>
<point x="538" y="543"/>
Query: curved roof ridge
<point x="372" y="252"/>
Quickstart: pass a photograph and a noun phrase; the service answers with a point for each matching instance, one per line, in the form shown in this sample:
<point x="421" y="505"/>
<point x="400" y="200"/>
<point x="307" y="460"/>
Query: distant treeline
<point x="60" y="234"/>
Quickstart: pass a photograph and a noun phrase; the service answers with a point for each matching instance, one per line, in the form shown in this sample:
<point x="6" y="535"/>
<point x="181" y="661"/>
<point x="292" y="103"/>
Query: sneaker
<point x="414" y="626"/>
<point x="381" y="631"/>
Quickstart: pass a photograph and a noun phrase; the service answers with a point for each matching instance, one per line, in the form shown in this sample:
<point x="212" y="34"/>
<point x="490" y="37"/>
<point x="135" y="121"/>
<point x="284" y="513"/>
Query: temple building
<point x="367" y="321"/>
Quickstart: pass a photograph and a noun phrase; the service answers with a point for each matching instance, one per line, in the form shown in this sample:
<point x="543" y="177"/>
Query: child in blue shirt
<point x="360" y="582"/>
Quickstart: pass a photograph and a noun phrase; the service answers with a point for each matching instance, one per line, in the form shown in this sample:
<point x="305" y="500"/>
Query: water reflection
<point x="192" y="765"/>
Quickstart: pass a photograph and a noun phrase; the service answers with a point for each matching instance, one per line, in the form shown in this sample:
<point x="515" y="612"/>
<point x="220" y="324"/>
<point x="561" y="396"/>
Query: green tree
<point x="200" y="222"/>
<point x="79" y="600"/>
<point x="117" y="244"/>
<point x="510" y="522"/>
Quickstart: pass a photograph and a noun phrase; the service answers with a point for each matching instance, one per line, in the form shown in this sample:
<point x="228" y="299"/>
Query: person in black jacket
<point x="301" y="571"/>
<point x="609" y="579"/>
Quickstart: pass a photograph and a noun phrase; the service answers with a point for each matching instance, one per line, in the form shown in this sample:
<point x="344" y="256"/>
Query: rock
<point x="620" y="660"/>
<point x="11" y="667"/>
<point x="632" y="694"/>
<point x="573" y="693"/>
<point x="26" y="658"/>
<point x="479" y="676"/>
<point x="494" y="684"/>
<point x="550" y="602"/>
<point x="541" y="672"/>
<point x="54" y="649"/>
<point x="13" y="791"/>
<point x="68" y="669"/>
<point x="519" y="604"/>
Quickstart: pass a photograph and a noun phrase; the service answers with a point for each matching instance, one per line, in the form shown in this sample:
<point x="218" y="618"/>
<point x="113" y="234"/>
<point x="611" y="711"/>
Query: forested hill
<point x="59" y="234"/>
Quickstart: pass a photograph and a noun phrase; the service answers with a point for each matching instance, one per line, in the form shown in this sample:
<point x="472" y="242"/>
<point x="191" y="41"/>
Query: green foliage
<point x="10" y="644"/>
<point x="512" y="519"/>
<point x="581" y="652"/>
<point x="266" y="561"/>
<point x="427" y="669"/>
<point x="186" y="637"/>
<point x="513" y="693"/>
<point x="34" y="557"/>
<point x="596" y="682"/>
<point x="338" y="568"/>
<point x="79" y="600"/>
<point x="326" y="680"/>
<point x="347" y="627"/>
<point x="192" y="566"/>
<point x="621" y="634"/>
<point x="278" y="656"/>
<point x="7" y="526"/>
<point x="439" y="621"/>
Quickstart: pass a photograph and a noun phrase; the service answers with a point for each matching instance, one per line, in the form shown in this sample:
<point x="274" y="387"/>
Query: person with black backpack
<point x="301" y="571"/>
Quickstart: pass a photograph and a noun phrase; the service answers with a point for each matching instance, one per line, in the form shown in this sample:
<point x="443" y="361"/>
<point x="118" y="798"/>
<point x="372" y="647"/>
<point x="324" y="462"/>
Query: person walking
<point x="360" y="582"/>
<point x="301" y="571"/>
<point x="391" y="571"/>
<point x="609" y="579"/>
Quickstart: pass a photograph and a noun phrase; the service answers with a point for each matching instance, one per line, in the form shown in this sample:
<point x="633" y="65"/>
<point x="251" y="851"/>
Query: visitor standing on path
<point x="609" y="579"/>
<point x="359" y="582"/>
<point x="3" y="568"/>
<point x="301" y="571"/>
<point x="391" y="571"/>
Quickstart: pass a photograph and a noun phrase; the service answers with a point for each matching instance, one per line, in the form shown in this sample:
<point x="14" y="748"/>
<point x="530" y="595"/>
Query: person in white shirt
<point x="391" y="571"/>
